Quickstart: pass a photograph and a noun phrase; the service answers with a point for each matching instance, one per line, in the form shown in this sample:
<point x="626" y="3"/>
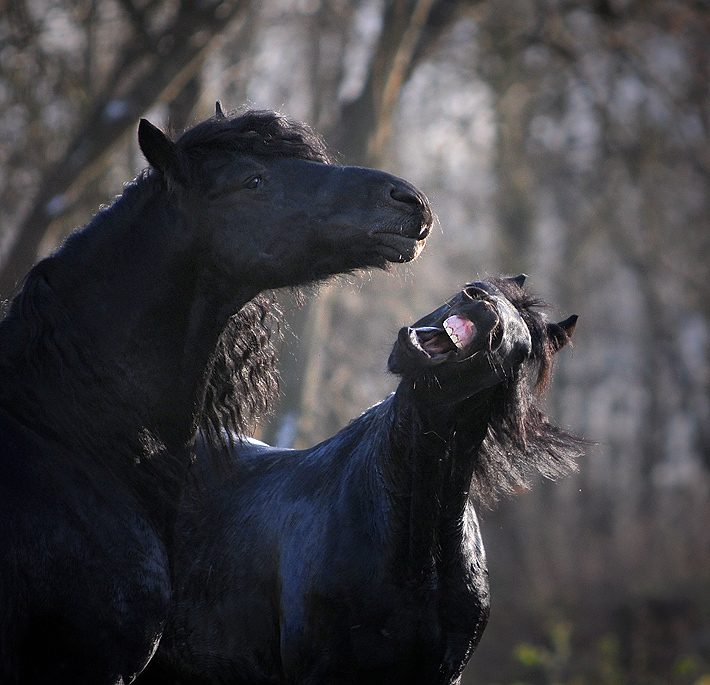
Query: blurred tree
<point x="125" y="58"/>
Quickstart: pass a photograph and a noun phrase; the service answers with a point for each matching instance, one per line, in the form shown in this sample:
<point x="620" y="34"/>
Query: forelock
<point x="261" y="133"/>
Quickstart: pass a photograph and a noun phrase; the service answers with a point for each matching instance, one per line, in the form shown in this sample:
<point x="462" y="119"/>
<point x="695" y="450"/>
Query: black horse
<point x="118" y="348"/>
<point x="360" y="560"/>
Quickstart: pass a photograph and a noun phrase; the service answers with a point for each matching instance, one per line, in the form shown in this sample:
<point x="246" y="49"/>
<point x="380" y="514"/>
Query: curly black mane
<point x="520" y="439"/>
<point x="243" y="380"/>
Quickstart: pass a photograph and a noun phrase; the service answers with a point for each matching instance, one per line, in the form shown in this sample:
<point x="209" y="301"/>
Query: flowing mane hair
<point x="520" y="439"/>
<point x="243" y="381"/>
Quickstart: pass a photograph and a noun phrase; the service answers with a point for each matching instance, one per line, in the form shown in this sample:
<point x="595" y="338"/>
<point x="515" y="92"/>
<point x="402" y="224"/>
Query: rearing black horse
<point x="107" y="360"/>
<point x="360" y="560"/>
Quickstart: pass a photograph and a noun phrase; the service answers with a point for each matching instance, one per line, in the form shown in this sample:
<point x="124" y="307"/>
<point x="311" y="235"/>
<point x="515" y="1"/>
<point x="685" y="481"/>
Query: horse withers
<point x="108" y="360"/>
<point x="360" y="560"/>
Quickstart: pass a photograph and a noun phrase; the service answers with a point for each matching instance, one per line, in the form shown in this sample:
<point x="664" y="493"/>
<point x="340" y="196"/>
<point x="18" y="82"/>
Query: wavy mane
<point x="243" y="380"/>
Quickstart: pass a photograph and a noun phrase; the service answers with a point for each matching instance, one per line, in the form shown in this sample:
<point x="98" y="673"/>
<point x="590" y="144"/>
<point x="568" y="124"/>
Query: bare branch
<point x="142" y="77"/>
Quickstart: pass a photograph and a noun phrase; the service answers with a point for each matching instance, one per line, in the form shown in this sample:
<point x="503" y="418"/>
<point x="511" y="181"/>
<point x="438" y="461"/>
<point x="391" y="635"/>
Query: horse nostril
<point x="474" y="293"/>
<point x="401" y="192"/>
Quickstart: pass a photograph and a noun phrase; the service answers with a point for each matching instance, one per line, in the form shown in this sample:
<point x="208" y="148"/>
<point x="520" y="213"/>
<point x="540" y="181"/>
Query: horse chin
<point x="398" y="248"/>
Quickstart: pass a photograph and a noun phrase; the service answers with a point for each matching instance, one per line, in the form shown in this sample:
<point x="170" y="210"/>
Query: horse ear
<point x="561" y="333"/>
<point x="218" y="111"/>
<point x="519" y="280"/>
<point x="159" y="150"/>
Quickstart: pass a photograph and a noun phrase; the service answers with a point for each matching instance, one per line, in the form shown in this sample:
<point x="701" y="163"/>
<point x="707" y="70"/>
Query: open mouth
<point x="456" y="335"/>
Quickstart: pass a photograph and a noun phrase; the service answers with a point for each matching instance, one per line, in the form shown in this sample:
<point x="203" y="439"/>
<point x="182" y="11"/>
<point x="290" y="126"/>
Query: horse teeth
<point x="453" y="336"/>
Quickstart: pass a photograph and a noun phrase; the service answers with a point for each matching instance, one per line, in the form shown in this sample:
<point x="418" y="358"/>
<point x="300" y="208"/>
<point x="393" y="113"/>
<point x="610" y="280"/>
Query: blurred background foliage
<point x="567" y="140"/>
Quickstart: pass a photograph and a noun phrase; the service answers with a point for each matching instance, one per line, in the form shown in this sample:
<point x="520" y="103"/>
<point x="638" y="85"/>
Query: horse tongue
<point x="460" y="330"/>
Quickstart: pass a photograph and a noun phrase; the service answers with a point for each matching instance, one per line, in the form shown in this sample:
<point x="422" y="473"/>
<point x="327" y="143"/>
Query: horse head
<point x="476" y="340"/>
<point x="269" y="207"/>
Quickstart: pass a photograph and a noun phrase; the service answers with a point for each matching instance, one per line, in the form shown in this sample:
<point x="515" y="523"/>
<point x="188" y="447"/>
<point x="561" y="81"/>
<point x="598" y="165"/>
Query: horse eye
<point x="253" y="182"/>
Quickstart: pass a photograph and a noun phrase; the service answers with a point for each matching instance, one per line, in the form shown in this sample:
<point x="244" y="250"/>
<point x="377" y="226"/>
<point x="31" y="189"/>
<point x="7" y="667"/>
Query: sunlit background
<point x="566" y="140"/>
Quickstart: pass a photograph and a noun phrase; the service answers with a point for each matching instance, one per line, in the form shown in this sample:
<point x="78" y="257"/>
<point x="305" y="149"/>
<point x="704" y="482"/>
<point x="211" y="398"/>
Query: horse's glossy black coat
<point x="360" y="560"/>
<point x="110" y="358"/>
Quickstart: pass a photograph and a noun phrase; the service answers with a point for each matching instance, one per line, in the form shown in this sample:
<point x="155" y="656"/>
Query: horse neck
<point x="428" y="472"/>
<point x="162" y="314"/>
<point x="108" y="345"/>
